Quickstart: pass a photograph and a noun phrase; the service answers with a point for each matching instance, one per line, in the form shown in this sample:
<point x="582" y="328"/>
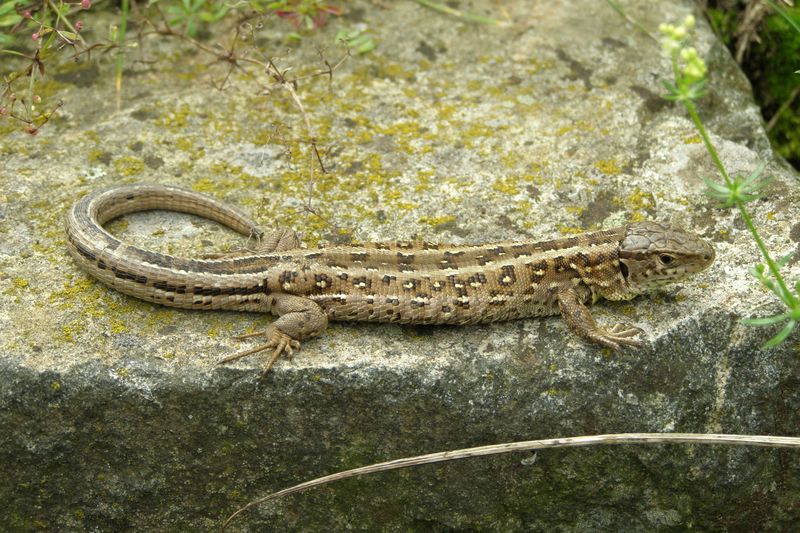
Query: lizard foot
<point x="616" y="337"/>
<point x="280" y="341"/>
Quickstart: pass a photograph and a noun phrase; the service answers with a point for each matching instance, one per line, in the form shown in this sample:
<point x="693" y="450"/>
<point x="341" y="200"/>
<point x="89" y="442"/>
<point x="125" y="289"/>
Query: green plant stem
<point x="690" y="107"/>
<point x="787" y="297"/>
<point x="31" y="80"/>
<point x="66" y="22"/>
<point x="784" y="14"/>
<point x="630" y="19"/>
<point x="123" y="24"/>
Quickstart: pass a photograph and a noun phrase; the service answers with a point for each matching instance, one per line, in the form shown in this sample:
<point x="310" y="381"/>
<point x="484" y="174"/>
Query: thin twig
<point x="616" y="7"/>
<point x="784" y="106"/>
<point x="569" y="442"/>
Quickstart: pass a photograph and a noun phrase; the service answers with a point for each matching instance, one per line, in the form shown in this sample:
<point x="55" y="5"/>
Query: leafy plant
<point x="8" y="19"/>
<point x="357" y="40"/>
<point x="690" y="78"/>
<point x="38" y="32"/>
<point x="187" y="13"/>
<point x="305" y="13"/>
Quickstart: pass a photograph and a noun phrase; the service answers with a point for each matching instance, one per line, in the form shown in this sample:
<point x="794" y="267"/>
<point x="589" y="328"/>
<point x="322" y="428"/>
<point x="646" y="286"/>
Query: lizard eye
<point x="665" y="259"/>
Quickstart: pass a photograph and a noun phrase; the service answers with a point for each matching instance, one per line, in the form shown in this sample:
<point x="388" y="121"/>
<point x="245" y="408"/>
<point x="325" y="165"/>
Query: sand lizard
<point x="398" y="282"/>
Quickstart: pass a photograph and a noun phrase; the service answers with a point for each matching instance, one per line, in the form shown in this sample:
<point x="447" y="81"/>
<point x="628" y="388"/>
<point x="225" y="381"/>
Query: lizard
<point x="404" y="282"/>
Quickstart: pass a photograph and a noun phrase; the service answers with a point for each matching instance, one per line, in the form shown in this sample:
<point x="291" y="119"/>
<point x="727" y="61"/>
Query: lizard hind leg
<point x="278" y="342"/>
<point x="280" y="240"/>
<point x="300" y="318"/>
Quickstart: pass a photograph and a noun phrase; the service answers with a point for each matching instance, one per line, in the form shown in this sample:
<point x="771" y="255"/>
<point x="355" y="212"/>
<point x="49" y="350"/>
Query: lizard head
<point x="652" y="254"/>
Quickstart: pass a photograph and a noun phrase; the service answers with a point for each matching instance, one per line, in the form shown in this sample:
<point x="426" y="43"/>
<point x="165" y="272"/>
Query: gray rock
<point x="115" y="416"/>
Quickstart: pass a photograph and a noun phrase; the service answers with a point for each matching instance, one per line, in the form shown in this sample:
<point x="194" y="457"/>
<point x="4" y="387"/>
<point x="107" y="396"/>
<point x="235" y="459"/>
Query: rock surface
<point x="114" y="415"/>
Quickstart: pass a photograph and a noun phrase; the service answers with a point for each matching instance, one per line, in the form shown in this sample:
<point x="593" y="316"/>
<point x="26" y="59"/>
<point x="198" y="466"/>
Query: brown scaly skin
<point x="400" y="282"/>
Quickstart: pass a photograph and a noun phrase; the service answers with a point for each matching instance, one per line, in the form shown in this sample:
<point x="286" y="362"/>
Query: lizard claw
<point x="617" y="336"/>
<point x="280" y="341"/>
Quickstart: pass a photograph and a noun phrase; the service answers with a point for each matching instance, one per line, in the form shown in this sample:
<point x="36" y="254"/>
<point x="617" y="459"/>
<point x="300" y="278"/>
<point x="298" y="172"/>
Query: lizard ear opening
<point x="624" y="269"/>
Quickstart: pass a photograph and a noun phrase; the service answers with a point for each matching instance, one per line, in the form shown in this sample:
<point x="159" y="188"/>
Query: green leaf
<point x="11" y="52"/>
<point x="766" y="321"/>
<point x="755" y="174"/>
<point x="780" y="337"/>
<point x="7" y="7"/>
<point x="9" y="20"/>
<point x="783" y="261"/>
<point x="721" y="187"/>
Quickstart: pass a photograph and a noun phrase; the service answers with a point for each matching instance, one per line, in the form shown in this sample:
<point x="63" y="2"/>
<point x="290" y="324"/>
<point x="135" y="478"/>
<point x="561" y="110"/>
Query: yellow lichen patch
<point x="204" y="185"/>
<point x="117" y="325"/>
<point x="570" y="230"/>
<point x="394" y="70"/>
<point x="436" y="221"/>
<point x="95" y="155"/>
<point x="55" y="386"/>
<point x="423" y="180"/>
<point x="476" y="130"/>
<point x="575" y="126"/>
<point x="446" y="111"/>
<point x="175" y="120"/>
<point x="69" y="331"/>
<point x="508" y="185"/>
<point x="94" y="305"/>
<point x="609" y="167"/>
<point x="17" y="286"/>
<point x="406" y="206"/>
<point x="128" y="165"/>
<point x="637" y="201"/>
<point x="184" y="143"/>
<point x="537" y="64"/>
<point x="692" y="139"/>
<point x="118" y="225"/>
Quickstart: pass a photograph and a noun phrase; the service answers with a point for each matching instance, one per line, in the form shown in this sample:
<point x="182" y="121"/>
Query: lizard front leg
<point x="580" y="320"/>
<point x="299" y="319"/>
